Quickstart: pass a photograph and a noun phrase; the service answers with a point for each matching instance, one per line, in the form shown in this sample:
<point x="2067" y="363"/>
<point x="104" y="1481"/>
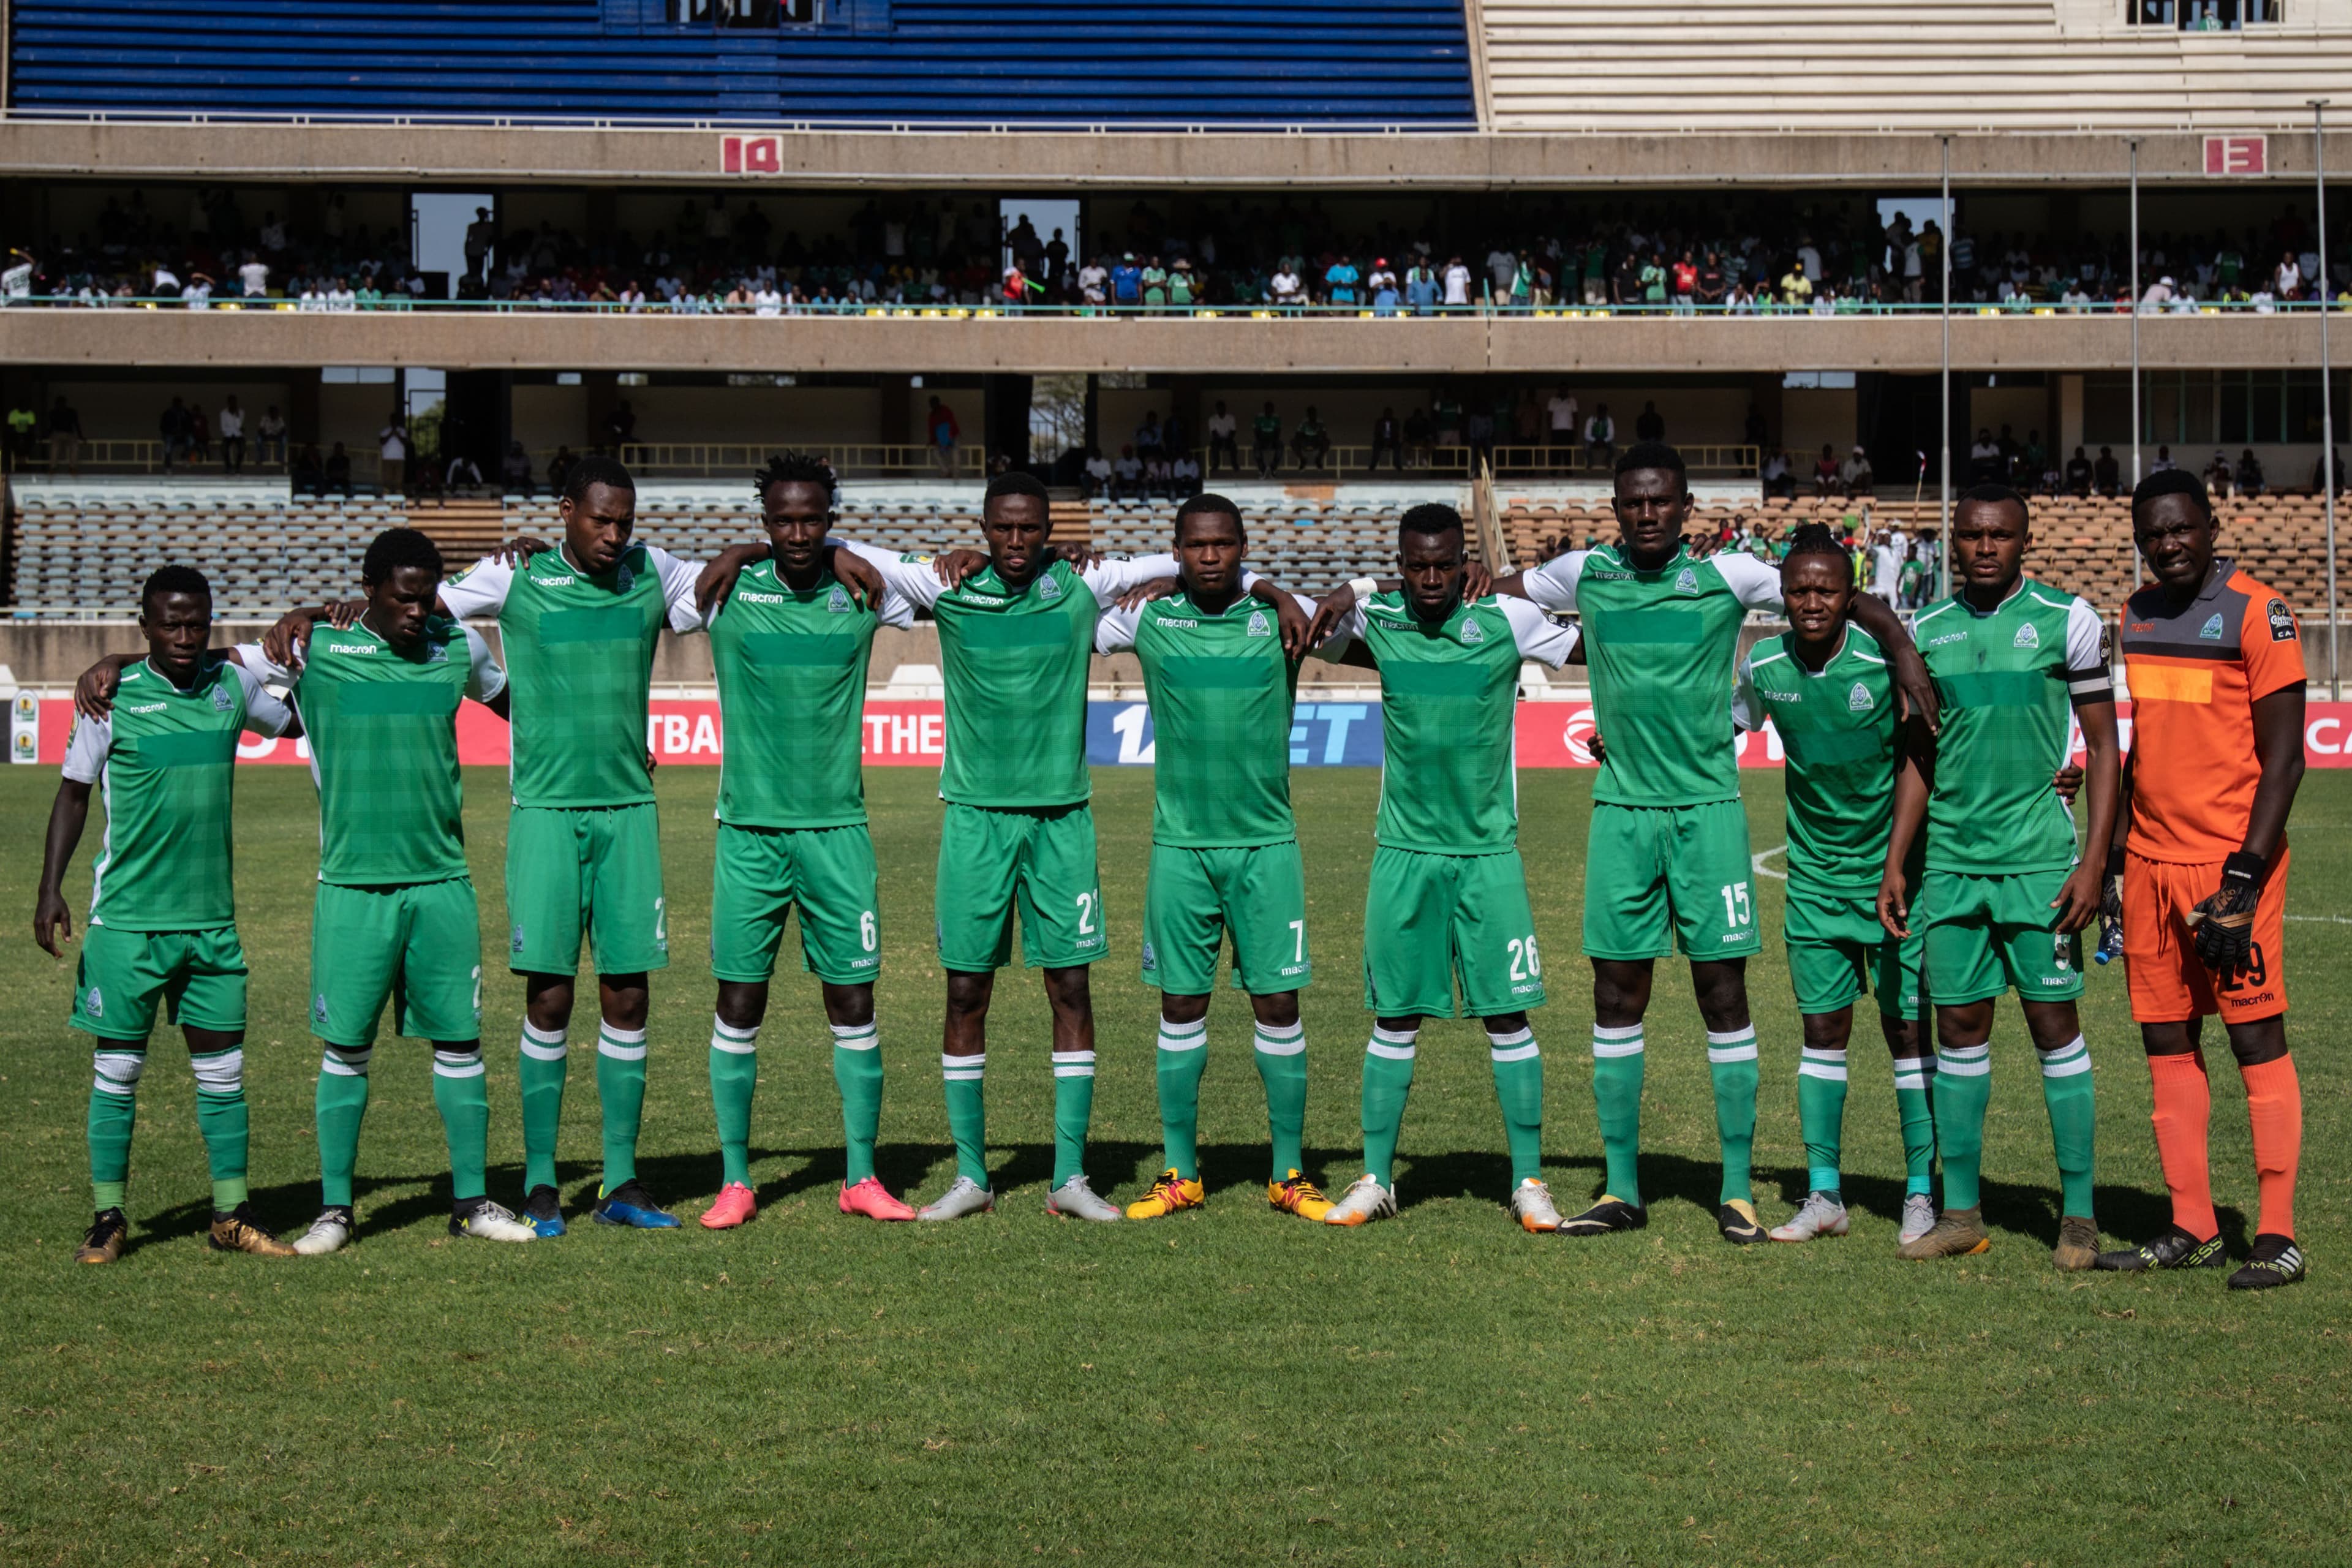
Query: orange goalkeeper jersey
<point x="2195" y="671"/>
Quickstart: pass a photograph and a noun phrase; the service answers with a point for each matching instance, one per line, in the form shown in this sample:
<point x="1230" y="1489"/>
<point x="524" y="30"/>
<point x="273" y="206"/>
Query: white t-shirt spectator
<point x="392" y="443"/>
<point x="767" y="302"/>
<point x="16" y="283"/>
<point x="341" y="298"/>
<point x="1286" y="290"/>
<point x="230" y="422"/>
<point x="1811" y="260"/>
<point x="197" y="295"/>
<point x="1562" y="411"/>
<point x="255" y="277"/>
<point x="1093" y="278"/>
<point x="1222" y="426"/>
<point x="166" y="280"/>
<point x="273" y="235"/>
<point x="1098" y="468"/>
<point x="2288" y="281"/>
<point x="1457" y="284"/>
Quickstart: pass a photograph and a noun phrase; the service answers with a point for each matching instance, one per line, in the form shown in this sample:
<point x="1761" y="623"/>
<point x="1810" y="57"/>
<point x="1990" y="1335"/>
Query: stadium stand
<point x="988" y="62"/>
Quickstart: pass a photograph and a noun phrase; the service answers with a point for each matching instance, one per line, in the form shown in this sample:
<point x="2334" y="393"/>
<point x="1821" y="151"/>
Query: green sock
<point x="1388" y="1078"/>
<point x="1915" y="1087"/>
<point x="221" y="1118"/>
<point x="1518" y="1085"/>
<point x="734" y="1074"/>
<point x="1183" y="1057"/>
<point x="621" y="1095"/>
<point x="461" y="1093"/>
<point x="113" y="1110"/>
<point x="964" y="1079"/>
<point x="1617" y="1100"/>
<point x="2073" y="1121"/>
<point x="340" y="1107"/>
<point x="857" y="1073"/>
<point x="1820" y="1114"/>
<point x="1963" y="1088"/>
<point x="1282" y="1065"/>
<point x="540" y="1071"/>
<point x="1073" y="1107"/>
<point x="1731" y="1063"/>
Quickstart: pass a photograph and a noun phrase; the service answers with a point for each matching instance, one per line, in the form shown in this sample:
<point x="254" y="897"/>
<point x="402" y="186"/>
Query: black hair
<point x="2171" y="483"/>
<point x="596" y="468"/>
<point x="398" y="547"/>
<point x="1815" y="538"/>
<point x="1209" y="502"/>
<point x="1994" y="495"/>
<point x="798" y="469"/>
<point x="1016" y="484"/>
<point x="174" y="580"/>
<point x="1429" y="518"/>
<point x="1653" y="455"/>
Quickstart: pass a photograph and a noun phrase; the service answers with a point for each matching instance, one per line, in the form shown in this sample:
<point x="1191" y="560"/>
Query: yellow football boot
<point x="1168" y="1194"/>
<point x="1295" y="1195"/>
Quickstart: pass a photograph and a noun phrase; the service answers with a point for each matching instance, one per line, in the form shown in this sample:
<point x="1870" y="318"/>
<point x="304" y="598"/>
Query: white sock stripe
<point x="721" y="1030"/>
<point x="1290" y="1045"/>
<point x="1608" y="1050"/>
<point x="962" y="1070"/>
<point x="1912" y="1080"/>
<point x="619" y="1035"/>
<point x="867" y="1039"/>
<point x="1378" y="1047"/>
<point x="846" y="1032"/>
<point x="1284" y="1031"/>
<point x="1963" y="1053"/>
<point x="1730" y="1036"/>
<point x="1720" y="1054"/>
<point x="727" y="1044"/>
<point x="1180" y="1044"/>
<point x="1823" y="1070"/>
<point x="545" y="1053"/>
<point x="620" y="1050"/>
<point x="457" y="1064"/>
<point x="1965" y="1066"/>
<point x="978" y="1060"/>
<point x="1074" y="1064"/>
<point x="1530" y="1051"/>
<point x="222" y="1072"/>
<point x="2058" y="1053"/>
<point x="2066" y="1066"/>
<point x="1519" y="1035"/>
<point x="1197" y="1026"/>
<point x="117" y="1071"/>
<point x="1616" y="1032"/>
<point x="344" y="1063"/>
<point x="531" y="1031"/>
<point x="1816" y="1053"/>
<point x="1396" y="1037"/>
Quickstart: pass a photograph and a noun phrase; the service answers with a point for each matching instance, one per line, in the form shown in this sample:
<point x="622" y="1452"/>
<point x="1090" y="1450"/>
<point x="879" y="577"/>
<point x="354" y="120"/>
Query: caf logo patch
<point x="1687" y="583"/>
<point x="2027" y="637"/>
<point x="2212" y="630"/>
<point x="93" y="1003"/>
<point x="1472" y="634"/>
<point x="1257" y="624"/>
<point x="2281" y="623"/>
<point x="1858" y="699"/>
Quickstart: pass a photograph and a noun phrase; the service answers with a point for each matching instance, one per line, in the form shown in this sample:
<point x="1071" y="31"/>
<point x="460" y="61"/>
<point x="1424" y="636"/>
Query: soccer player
<point x="1018" y="834"/>
<point x="578" y="626"/>
<point x="1824" y="684"/>
<point x="162" y="910"/>
<point x="1224" y="848"/>
<point x="1667" y="856"/>
<point x="1448" y="895"/>
<point x="789" y="644"/>
<point x="2004" y="891"/>
<point x="2215" y="666"/>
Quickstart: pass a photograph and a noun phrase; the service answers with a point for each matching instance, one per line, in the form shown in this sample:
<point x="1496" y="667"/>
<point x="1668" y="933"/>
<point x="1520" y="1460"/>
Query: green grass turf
<point x="1230" y="1384"/>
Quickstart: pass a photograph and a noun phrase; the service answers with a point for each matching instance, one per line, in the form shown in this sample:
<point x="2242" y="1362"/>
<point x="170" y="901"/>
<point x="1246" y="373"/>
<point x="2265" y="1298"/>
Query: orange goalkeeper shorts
<point x="2168" y="983"/>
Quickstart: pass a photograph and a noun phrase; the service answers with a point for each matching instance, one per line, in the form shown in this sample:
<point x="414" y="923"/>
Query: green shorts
<point x="1195" y="896"/>
<point x="199" y="975"/>
<point x="1428" y="918"/>
<point x="1985" y="935"/>
<point x="589" y="869"/>
<point x="760" y="873"/>
<point x="1837" y="951"/>
<point x="1040" y="862"/>
<point x="1655" y="873"/>
<point x="419" y="944"/>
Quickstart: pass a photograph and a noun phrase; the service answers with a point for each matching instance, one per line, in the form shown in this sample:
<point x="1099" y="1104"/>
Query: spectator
<point x="2106" y="473"/>
<point x="1097" y="474"/>
<point x="941" y="431"/>
<point x="1184" y="476"/>
<point x="1289" y="293"/>
<point x="65" y="438"/>
<point x="1600" y="439"/>
<point x="198" y="294"/>
<point x="1388" y="436"/>
<point x="462" y="476"/>
<point x="1825" y="472"/>
<point x="1341" y="278"/>
<point x="1457" y="284"/>
<point x="1126" y="284"/>
<point x="269" y="438"/>
<point x="2219" y="476"/>
<point x="2250" y="474"/>
<point x="337" y="475"/>
<point x="1887" y="568"/>
<point x="2287" y="281"/>
<point x="1478" y="434"/>
<point x="1094" y="284"/>
<point x="1561" y="415"/>
<point x="1417" y="435"/>
<point x="1155" y="285"/>
<point x="200" y="434"/>
<point x="1684" y="280"/>
<point x="23" y="420"/>
<point x="1854" y="475"/>
<point x="16" y="278"/>
<point x="1183" y="287"/>
<point x="232" y="436"/>
<point x="310" y="474"/>
<point x="1311" y="444"/>
<point x="767" y="300"/>
<point x="1422" y="288"/>
<point x="514" y="471"/>
<point x="173" y="427"/>
<point x="1266" y="443"/>
<point x="1986" y="464"/>
<point x="1126" y="476"/>
<point x="2078" y="474"/>
<point x="1650" y="424"/>
<point x="392" y="453"/>
<point x="1224" y="448"/>
<point x="481" y="238"/>
<point x="2163" y="463"/>
<point x="1796" y="289"/>
<point x="1383" y="286"/>
<point x="1777" y="477"/>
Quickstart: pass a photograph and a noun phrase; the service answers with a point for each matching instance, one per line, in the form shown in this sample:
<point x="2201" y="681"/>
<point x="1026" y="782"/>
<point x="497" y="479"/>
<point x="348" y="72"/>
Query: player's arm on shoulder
<point x="1539" y="635"/>
<point x="1914" y="687"/>
<point x="679" y="581"/>
<point x="1746" y="713"/>
<point x="1551" y="584"/>
<point x="1755" y="584"/>
<point x="94" y="692"/>
<point x="266" y="713"/>
<point x="479" y="590"/>
<point x="1109" y="579"/>
<point x="909" y="576"/>
<point x="1114" y="627"/>
<point x="485" y="678"/>
<point x="1339" y="638"/>
<point x="2091" y="688"/>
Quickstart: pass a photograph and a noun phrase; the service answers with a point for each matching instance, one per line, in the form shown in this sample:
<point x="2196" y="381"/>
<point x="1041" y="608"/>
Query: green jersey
<point x="383" y="732"/>
<point x="792" y="694"/>
<point x="165" y="760"/>
<point x="2007" y="679"/>
<point x="580" y="650"/>
<point x="1221" y="691"/>
<point x="1661" y="646"/>
<point x="1838" y="736"/>
<point x="1016" y="663"/>
<point x="1449" y="717"/>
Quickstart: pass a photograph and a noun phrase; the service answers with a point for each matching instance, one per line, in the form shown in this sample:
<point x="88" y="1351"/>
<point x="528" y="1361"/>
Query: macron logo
<point x="750" y="598"/>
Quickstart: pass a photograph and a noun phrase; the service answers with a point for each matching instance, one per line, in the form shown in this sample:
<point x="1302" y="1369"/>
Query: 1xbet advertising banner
<point x="686" y="732"/>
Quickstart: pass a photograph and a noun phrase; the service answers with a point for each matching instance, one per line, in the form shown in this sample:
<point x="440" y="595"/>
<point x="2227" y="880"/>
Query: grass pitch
<point x="1225" y="1385"/>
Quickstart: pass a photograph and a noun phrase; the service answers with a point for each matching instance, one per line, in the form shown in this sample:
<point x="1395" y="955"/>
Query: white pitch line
<point x="1755" y="863"/>
<point x="2321" y="919"/>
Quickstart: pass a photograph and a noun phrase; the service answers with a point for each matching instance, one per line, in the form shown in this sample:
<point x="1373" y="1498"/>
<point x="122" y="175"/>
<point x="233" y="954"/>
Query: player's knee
<point x="625" y="1000"/>
<point x="968" y="994"/>
<point x="1828" y="1031"/>
<point x="1069" y="989"/>
<point x="2051" y="1024"/>
<point x="1192" y="1009"/>
<point x="2263" y="1040"/>
<point x="1722" y="989"/>
<point x="2174" y="1038"/>
<point x="1969" y="1024"/>
<point x="851" y="1006"/>
<point x="742" y="1005"/>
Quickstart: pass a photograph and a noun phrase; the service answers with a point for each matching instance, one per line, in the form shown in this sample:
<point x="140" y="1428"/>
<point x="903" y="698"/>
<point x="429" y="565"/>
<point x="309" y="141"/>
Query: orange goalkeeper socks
<point x="2183" y="1111"/>
<point x="2275" y="1104"/>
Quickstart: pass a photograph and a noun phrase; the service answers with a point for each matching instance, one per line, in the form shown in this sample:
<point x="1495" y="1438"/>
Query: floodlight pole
<point x="2132" y="545"/>
<point x="1944" y="381"/>
<point x="2327" y="391"/>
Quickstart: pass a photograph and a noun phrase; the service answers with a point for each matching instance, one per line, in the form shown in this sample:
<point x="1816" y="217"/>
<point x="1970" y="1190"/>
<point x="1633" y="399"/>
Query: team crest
<point x="2027" y="637"/>
<point x="2212" y="631"/>
<point x="221" y="702"/>
<point x="515" y="939"/>
<point x="1150" y="959"/>
<point x="1858" y="699"/>
<point x="624" y="578"/>
<point x="319" y="1008"/>
<point x="437" y="654"/>
<point x="839" y="603"/>
<point x="2281" y="623"/>
<point x="1259" y="627"/>
<point x="2061" y="952"/>
<point x="93" y="1003"/>
<point x="1687" y="583"/>
<point x="1048" y="588"/>
<point x="1471" y="633"/>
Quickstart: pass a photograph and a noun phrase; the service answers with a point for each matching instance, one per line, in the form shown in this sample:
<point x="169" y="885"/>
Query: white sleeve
<point x="488" y="676"/>
<point x="1115" y="631"/>
<point x="1109" y="579"/>
<point x="264" y="714"/>
<point x="909" y="576"/>
<point x="1755" y="584"/>
<point x="479" y="590"/>
<point x="896" y="609"/>
<point x="269" y="670"/>
<point x="2088" y="678"/>
<point x="1540" y="637"/>
<point x="1745" y="713"/>
<point x="86" y="749"/>
<point x="677" y="578"/>
<point x="1334" y="648"/>
<point x="1553" y="583"/>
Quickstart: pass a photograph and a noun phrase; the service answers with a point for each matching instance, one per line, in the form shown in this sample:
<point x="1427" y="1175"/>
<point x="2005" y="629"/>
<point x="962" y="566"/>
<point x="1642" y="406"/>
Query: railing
<point x="116" y="455"/>
<point x="850" y="460"/>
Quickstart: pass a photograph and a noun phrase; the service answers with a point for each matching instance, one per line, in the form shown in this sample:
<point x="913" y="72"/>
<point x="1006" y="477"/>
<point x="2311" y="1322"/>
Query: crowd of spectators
<point x="731" y="257"/>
